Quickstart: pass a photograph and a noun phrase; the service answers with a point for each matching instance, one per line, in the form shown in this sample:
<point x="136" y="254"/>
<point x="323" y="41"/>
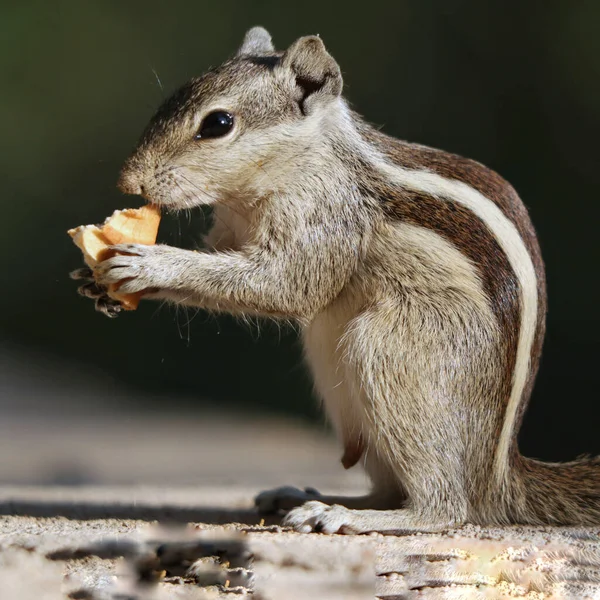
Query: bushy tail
<point x="557" y="493"/>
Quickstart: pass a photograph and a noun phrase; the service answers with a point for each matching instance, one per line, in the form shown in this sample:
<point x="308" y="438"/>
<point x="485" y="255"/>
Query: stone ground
<point x="120" y="507"/>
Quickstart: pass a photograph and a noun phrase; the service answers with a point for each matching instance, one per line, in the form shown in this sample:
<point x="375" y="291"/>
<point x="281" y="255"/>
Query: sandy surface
<point x="113" y="507"/>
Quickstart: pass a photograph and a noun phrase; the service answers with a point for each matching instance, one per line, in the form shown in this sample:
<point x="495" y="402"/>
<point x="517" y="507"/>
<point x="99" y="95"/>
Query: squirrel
<point x="414" y="275"/>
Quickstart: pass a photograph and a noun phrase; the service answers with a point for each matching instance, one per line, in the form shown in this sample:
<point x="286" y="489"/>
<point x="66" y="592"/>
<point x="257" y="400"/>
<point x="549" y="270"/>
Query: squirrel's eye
<point x="216" y="124"/>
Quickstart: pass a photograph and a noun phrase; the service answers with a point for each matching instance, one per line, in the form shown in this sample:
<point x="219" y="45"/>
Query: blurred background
<point x="514" y="85"/>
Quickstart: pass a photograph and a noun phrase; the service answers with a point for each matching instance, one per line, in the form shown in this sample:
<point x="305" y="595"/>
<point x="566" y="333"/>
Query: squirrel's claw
<point x="83" y="273"/>
<point x="97" y="292"/>
<point x="108" y="307"/>
<point x="91" y="290"/>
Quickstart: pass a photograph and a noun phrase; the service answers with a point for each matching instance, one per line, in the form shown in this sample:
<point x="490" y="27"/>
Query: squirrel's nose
<point x="129" y="183"/>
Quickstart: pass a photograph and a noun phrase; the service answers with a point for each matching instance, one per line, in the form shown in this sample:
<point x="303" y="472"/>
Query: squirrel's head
<point x="235" y="131"/>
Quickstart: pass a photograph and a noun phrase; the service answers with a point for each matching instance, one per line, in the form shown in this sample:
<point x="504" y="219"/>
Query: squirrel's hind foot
<point x="320" y="517"/>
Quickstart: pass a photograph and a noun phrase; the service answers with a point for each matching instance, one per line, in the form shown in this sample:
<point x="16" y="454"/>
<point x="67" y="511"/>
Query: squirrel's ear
<point x="257" y="41"/>
<point x="316" y="72"/>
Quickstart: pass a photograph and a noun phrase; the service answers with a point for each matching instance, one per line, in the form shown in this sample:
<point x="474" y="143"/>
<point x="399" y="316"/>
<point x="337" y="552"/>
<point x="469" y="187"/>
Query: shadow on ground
<point x="86" y="511"/>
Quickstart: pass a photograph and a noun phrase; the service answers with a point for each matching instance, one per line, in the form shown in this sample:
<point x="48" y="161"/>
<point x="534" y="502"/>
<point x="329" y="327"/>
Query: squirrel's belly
<point x="324" y="350"/>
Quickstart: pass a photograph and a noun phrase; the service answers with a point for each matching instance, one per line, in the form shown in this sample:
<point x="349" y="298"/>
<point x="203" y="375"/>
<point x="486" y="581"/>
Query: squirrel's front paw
<point x="136" y="268"/>
<point x="91" y="289"/>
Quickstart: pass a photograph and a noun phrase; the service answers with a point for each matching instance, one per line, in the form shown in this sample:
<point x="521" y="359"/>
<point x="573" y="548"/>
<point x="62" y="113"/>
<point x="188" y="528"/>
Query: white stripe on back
<point x="512" y="244"/>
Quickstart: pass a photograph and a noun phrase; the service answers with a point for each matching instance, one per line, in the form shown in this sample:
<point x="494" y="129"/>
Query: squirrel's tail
<point x="557" y="493"/>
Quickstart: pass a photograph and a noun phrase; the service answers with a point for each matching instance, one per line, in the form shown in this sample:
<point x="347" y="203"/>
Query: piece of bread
<point x="128" y="226"/>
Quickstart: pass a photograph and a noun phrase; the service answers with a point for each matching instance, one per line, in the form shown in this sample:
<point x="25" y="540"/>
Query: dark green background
<point x="512" y="84"/>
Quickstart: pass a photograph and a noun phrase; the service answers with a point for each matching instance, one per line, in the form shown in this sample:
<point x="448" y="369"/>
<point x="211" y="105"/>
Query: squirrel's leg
<point x="252" y="282"/>
<point x="388" y="508"/>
